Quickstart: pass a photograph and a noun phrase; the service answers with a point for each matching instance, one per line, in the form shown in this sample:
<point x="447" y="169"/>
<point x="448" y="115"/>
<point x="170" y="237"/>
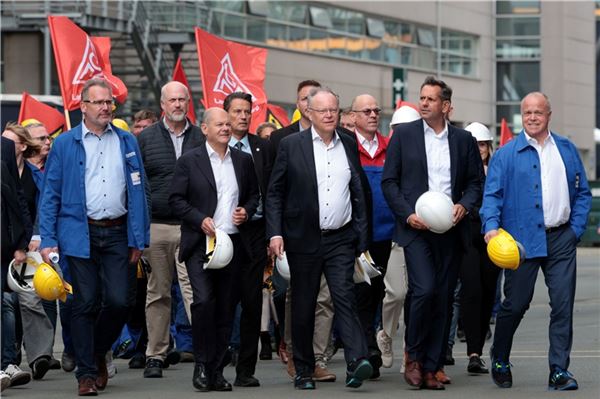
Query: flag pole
<point x="67" y="119"/>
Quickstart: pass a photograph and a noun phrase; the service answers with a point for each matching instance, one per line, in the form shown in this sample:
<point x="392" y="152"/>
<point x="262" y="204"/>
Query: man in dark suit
<point x="303" y="123"/>
<point x="248" y="284"/>
<point x="213" y="186"/>
<point x="430" y="154"/>
<point x="316" y="206"/>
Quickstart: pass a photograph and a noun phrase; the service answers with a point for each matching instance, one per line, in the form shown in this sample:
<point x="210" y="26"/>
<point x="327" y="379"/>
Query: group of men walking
<point x="320" y="196"/>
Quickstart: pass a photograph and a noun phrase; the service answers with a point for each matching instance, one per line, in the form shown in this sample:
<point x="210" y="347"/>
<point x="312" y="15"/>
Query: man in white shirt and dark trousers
<point x="316" y="213"/>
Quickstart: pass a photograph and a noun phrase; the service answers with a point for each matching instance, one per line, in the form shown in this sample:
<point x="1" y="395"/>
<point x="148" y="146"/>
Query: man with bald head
<point x="161" y="145"/>
<point x="536" y="190"/>
<point x="372" y="146"/>
<point x="214" y="186"/>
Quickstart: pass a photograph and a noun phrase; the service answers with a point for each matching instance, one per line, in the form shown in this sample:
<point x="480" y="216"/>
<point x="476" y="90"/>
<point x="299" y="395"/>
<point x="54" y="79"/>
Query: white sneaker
<point x="17" y="376"/>
<point x="4" y="381"/>
<point x="110" y="366"/>
<point x="384" y="343"/>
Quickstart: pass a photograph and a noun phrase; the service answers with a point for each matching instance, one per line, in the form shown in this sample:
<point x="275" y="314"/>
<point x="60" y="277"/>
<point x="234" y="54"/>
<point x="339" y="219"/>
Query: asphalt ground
<point x="529" y="359"/>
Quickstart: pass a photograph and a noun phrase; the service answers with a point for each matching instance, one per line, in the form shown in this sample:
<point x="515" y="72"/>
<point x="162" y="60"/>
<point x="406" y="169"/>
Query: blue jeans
<point x="180" y="325"/>
<point x="101" y="296"/>
<point x="9" y="348"/>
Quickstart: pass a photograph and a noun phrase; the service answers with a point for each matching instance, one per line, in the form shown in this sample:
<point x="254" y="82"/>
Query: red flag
<point x="78" y="59"/>
<point x="179" y="76"/>
<point x="52" y="119"/>
<point x="505" y="134"/>
<point x="277" y="115"/>
<point x="227" y="67"/>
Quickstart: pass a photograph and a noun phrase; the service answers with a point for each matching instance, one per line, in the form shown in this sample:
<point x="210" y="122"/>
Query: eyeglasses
<point x="332" y="111"/>
<point x="368" y="111"/>
<point x="43" y="138"/>
<point x="108" y="103"/>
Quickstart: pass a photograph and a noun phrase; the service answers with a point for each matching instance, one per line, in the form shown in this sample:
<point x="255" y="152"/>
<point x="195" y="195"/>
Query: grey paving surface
<point x="529" y="359"/>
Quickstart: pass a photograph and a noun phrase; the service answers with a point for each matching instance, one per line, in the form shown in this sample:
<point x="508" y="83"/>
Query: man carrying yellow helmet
<point x="537" y="190"/>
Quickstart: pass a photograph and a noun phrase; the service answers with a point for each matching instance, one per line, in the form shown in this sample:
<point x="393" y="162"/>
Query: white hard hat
<point x="20" y="276"/>
<point x="365" y="269"/>
<point x="479" y="131"/>
<point x="404" y="114"/>
<point x="283" y="267"/>
<point x="219" y="250"/>
<point x="435" y="209"/>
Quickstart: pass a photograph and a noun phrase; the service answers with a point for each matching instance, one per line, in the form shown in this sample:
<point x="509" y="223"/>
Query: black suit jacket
<point x="10" y="158"/>
<point x="405" y="175"/>
<point x="280" y="134"/>
<point x="263" y="161"/>
<point x="193" y="194"/>
<point x="292" y="206"/>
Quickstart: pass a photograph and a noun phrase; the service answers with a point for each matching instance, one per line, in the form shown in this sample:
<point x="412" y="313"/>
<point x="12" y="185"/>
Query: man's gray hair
<point x="313" y="92"/>
<point x="538" y="93"/>
<point x="91" y="83"/>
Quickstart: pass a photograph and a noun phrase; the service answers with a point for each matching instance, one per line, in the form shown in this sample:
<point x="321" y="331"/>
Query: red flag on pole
<point x="52" y="119"/>
<point x="227" y="67"/>
<point x="78" y="59"/>
<point x="505" y="134"/>
<point x="277" y="115"/>
<point x="180" y="76"/>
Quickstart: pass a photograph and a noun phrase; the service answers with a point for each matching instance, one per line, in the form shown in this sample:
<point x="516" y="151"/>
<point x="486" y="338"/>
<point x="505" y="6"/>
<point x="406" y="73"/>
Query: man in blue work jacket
<point x="536" y="189"/>
<point x="94" y="210"/>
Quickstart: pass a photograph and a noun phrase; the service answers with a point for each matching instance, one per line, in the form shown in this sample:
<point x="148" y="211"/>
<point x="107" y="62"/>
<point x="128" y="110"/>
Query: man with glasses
<point x="430" y="154"/>
<point x="94" y="211"/>
<point x="316" y="214"/>
<point x="372" y="148"/>
<point x="161" y="145"/>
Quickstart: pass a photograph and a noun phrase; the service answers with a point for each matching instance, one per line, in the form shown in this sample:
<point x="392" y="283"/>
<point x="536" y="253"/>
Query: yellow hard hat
<point x="48" y="284"/>
<point x="30" y="121"/>
<point x="121" y="124"/>
<point x="296" y="115"/>
<point x="505" y="252"/>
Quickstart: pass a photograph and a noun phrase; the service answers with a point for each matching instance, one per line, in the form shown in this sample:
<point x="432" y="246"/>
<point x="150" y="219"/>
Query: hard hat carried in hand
<point x="219" y="250"/>
<point x="48" y="284"/>
<point x="20" y="275"/>
<point x="435" y="209"/>
<point x="283" y="267"/>
<point x="365" y="269"/>
<point x="505" y="252"/>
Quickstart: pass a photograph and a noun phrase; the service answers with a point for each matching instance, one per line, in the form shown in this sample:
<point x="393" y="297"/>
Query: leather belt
<point x="108" y="222"/>
<point x="556" y="228"/>
<point x="328" y="232"/>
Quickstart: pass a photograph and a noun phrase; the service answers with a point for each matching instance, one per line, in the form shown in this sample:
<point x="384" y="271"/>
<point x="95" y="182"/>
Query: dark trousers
<point x="212" y="309"/>
<point x="247" y="289"/>
<point x="335" y="259"/>
<point x="432" y="268"/>
<point x="479" y="277"/>
<point x="560" y="269"/>
<point x="369" y="297"/>
<point x="102" y="288"/>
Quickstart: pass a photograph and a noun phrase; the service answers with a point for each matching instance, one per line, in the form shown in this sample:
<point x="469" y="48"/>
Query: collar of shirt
<point x="244" y="140"/>
<point x="187" y="125"/>
<point x="429" y="129"/>
<point x="534" y="142"/>
<point x="85" y="131"/>
<point x="364" y="141"/>
<point x="316" y="137"/>
<point x="212" y="153"/>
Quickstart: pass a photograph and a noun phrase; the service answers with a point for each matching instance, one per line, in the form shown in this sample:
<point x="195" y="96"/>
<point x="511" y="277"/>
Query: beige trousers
<point x="396" y="285"/>
<point x="162" y="255"/>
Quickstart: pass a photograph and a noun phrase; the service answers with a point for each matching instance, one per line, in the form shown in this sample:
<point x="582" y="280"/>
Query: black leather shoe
<point x="173" y="357"/>
<point x="153" y="368"/>
<point x="246" y="381"/>
<point x="476" y="365"/>
<point x="449" y="360"/>
<point x="138" y="361"/>
<point x="221" y="384"/>
<point x="54" y="364"/>
<point x="200" y="379"/>
<point x="304" y="382"/>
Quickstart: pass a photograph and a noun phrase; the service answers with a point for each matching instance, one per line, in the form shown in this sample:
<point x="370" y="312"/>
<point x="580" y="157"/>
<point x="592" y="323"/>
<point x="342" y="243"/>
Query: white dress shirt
<point x="555" y="190"/>
<point x="105" y="185"/>
<point x="369" y="145"/>
<point x="333" y="182"/>
<point x="227" y="190"/>
<point x="438" y="160"/>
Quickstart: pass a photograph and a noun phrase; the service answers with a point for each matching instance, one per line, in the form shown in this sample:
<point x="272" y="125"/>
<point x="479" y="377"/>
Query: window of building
<point x="458" y="53"/>
<point x="375" y="27"/>
<point x="515" y="79"/>
<point x="518" y="7"/>
<point x="518" y="26"/>
<point x="319" y="17"/>
<point x="518" y="49"/>
<point x="260" y="8"/>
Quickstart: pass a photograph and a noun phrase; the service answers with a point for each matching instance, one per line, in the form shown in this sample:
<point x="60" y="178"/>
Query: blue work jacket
<point x="63" y="211"/>
<point x="512" y="197"/>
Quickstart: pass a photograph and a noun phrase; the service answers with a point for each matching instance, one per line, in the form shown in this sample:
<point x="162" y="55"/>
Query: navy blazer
<point x="292" y="206"/>
<point x="193" y="194"/>
<point x="405" y="175"/>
